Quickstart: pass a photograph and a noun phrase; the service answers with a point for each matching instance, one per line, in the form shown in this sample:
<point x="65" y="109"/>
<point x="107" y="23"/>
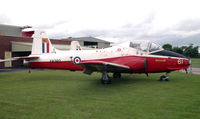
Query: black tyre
<point x="162" y="78"/>
<point x="116" y="75"/>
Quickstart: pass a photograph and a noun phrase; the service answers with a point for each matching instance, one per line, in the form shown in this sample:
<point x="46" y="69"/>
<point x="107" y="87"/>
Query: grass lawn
<point x="73" y="95"/>
<point x="196" y="62"/>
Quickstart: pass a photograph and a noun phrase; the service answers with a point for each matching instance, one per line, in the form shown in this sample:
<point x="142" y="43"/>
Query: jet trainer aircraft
<point x="130" y="57"/>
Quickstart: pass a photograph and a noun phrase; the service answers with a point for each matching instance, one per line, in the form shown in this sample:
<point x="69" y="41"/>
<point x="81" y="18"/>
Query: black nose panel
<point x="168" y="53"/>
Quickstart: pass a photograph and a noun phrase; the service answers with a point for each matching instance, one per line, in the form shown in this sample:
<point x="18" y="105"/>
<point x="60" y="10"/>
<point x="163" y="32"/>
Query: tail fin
<point x="41" y="43"/>
<point x="75" y="45"/>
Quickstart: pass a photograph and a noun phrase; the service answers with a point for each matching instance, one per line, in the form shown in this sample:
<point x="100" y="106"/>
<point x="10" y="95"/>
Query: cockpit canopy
<point x="146" y="46"/>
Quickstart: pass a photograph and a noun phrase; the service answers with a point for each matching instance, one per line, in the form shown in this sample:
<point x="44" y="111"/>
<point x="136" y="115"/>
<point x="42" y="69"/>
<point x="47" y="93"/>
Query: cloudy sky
<point x="164" y="21"/>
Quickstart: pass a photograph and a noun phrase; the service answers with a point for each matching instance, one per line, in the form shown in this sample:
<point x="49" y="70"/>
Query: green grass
<point x="196" y="62"/>
<point x="73" y="95"/>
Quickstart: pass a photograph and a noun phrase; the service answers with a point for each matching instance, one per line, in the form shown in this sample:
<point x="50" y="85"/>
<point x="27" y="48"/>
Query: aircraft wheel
<point x="102" y="81"/>
<point x="105" y="78"/>
<point x="116" y="75"/>
<point x="163" y="78"/>
<point x="166" y="79"/>
<point x="106" y="81"/>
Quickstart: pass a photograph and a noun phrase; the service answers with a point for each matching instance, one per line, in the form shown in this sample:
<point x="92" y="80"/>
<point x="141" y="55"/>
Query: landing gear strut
<point x="164" y="77"/>
<point x="117" y="75"/>
<point x="105" y="78"/>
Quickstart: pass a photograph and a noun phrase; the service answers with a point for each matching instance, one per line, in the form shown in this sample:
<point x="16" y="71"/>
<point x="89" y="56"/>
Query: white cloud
<point x="4" y="19"/>
<point x="112" y="19"/>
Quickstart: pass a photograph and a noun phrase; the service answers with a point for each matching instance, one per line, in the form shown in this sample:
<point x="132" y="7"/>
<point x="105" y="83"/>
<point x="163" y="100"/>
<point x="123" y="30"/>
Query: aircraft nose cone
<point x="187" y="62"/>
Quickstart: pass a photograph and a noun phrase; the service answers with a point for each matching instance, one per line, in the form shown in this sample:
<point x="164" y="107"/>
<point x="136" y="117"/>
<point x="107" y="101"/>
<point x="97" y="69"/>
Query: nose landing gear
<point x="164" y="77"/>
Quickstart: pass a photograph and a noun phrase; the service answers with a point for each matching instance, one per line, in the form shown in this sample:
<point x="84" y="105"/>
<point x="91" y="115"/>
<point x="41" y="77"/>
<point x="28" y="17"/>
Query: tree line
<point x="189" y="51"/>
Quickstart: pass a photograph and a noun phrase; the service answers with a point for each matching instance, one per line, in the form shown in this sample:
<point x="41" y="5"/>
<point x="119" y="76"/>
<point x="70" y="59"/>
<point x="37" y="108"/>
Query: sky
<point x="163" y="21"/>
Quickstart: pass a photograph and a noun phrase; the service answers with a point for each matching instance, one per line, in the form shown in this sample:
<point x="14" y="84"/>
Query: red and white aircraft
<point x="130" y="57"/>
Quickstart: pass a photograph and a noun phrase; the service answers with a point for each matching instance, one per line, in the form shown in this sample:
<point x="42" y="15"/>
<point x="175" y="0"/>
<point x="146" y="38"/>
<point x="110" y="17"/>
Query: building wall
<point x="8" y="30"/>
<point x="81" y="43"/>
<point x="103" y="45"/>
<point x="81" y="40"/>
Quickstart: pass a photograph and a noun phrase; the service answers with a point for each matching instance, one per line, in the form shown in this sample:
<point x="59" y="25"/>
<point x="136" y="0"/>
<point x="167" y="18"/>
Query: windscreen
<point x="145" y="45"/>
<point x="140" y="45"/>
<point x="154" y="47"/>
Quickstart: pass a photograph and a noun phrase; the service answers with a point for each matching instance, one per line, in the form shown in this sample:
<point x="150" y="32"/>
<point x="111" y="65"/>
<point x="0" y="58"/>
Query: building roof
<point x="90" y="39"/>
<point x="9" y="26"/>
<point x="13" y="26"/>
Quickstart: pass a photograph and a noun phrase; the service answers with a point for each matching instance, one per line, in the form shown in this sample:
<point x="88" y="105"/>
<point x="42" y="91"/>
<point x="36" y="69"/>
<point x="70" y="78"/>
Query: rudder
<point x="41" y="43"/>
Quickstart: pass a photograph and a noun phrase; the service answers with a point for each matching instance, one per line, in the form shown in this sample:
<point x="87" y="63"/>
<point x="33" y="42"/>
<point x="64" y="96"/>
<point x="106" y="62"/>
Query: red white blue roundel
<point x="77" y="60"/>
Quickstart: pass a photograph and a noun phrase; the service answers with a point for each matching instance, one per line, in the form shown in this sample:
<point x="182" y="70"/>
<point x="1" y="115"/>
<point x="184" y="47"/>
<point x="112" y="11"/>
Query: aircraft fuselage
<point x="143" y="62"/>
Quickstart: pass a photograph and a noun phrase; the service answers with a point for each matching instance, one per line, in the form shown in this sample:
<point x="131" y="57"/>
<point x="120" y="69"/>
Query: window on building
<point x="91" y="44"/>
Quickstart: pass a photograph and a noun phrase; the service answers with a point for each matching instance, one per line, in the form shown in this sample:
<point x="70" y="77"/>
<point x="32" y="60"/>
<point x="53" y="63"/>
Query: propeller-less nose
<point x="190" y="66"/>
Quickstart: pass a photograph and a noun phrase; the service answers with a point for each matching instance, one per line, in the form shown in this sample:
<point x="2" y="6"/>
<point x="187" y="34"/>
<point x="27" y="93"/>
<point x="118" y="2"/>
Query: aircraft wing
<point x="7" y="60"/>
<point x="19" y="58"/>
<point x="91" y="66"/>
<point x="28" y="58"/>
<point x="122" y="64"/>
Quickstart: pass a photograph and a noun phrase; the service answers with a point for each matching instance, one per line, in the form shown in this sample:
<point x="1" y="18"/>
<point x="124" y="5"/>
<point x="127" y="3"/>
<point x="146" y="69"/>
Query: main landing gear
<point x="164" y="77"/>
<point x="105" y="78"/>
<point x="117" y="75"/>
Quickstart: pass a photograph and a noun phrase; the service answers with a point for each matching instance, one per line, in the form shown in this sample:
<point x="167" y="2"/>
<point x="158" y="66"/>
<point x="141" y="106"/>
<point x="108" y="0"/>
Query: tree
<point x="191" y="51"/>
<point x="177" y="50"/>
<point x="167" y="47"/>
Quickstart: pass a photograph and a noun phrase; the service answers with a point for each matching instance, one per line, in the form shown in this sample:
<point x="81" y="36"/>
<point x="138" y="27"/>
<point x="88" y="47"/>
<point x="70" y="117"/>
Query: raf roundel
<point x="77" y="60"/>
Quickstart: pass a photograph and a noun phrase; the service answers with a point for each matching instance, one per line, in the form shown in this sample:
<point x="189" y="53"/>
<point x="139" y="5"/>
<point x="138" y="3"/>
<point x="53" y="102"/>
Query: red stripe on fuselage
<point x="69" y="65"/>
<point x="153" y="64"/>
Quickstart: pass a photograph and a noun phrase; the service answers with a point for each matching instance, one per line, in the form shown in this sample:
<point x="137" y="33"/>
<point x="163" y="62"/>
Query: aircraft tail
<point x="41" y="43"/>
<point x="75" y="45"/>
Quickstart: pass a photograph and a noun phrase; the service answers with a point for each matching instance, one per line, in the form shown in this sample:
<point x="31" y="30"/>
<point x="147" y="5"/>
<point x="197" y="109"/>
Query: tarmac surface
<point x="195" y="71"/>
<point x="10" y="70"/>
<point x="7" y="70"/>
